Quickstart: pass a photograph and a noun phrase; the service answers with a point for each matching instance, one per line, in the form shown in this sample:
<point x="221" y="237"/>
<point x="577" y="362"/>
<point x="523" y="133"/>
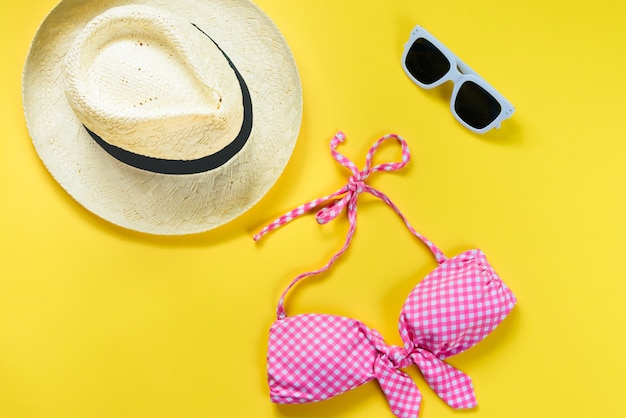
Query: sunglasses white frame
<point x="458" y="73"/>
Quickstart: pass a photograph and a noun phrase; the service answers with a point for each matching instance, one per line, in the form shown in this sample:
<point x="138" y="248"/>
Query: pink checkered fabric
<point x="313" y="357"/>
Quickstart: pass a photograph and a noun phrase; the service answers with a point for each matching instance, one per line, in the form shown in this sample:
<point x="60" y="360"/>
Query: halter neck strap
<point x="346" y="197"/>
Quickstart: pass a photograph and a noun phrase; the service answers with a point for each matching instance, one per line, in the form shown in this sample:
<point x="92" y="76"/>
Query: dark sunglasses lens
<point x="425" y="62"/>
<point x="476" y="106"/>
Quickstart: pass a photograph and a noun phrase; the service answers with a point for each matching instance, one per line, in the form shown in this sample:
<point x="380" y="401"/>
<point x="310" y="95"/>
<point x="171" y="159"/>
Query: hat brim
<point x="160" y="203"/>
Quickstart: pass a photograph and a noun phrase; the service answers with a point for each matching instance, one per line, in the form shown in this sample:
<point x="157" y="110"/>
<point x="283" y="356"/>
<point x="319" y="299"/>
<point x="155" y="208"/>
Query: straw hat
<point x="165" y="117"/>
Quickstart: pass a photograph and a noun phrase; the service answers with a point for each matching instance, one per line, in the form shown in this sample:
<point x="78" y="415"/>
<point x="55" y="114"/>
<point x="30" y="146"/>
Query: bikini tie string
<point x="346" y="198"/>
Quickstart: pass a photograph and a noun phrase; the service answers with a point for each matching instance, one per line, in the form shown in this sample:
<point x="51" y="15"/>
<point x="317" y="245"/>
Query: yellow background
<point x="97" y="321"/>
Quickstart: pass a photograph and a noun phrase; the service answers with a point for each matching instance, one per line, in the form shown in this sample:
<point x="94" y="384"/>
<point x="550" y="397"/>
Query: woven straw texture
<point x="159" y="203"/>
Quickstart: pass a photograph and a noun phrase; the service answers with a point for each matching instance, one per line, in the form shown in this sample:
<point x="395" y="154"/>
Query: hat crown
<point x="151" y="83"/>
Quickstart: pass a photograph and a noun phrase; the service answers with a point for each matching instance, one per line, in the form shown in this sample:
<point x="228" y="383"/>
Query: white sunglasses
<point x="474" y="103"/>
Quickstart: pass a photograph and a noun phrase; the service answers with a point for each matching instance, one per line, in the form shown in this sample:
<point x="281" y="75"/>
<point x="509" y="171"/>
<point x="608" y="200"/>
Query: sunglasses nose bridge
<point x="455" y="75"/>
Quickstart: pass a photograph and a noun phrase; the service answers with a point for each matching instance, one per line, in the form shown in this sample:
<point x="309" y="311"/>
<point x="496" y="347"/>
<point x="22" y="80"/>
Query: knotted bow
<point x="403" y="396"/>
<point x="346" y="198"/>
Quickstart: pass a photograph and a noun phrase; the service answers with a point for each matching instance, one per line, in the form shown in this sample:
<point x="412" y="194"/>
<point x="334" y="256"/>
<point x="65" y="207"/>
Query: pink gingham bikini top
<point x="312" y="357"/>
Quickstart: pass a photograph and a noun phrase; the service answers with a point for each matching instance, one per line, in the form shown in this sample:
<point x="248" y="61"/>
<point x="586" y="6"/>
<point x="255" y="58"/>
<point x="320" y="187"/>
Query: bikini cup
<point x="312" y="357"/>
